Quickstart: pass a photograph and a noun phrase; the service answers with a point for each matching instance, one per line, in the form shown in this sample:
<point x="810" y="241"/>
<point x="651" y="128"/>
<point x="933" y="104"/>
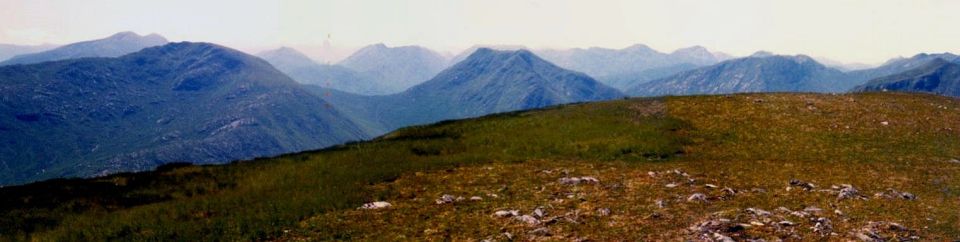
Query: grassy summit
<point x="676" y="167"/>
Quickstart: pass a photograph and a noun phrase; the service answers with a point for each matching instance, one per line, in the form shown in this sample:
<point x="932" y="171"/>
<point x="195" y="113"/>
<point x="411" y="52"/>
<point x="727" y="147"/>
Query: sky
<point x="865" y="31"/>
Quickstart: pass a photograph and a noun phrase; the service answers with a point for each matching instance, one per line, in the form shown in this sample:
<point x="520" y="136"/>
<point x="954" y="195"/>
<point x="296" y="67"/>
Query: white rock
<point x="884" y="123"/>
<point x="476" y="198"/>
<point x="603" y="212"/>
<point x="697" y="197"/>
<point x="671" y="185"/>
<point x="528" y="219"/>
<point x="446" y="198"/>
<point x="506" y="213"/>
<point x="539" y="213"/>
<point x="376" y="205"/>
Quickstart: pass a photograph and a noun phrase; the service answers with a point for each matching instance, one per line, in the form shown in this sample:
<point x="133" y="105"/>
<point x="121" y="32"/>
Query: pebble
<point x="476" y="198"/>
<point x="528" y="219"/>
<point x="539" y="213"/>
<point x="697" y="197"/>
<point x="578" y="180"/>
<point x="542" y="231"/>
<point x="603" y="212"/>
<point x="506" y="213"/>
<point x="446" y="198"/>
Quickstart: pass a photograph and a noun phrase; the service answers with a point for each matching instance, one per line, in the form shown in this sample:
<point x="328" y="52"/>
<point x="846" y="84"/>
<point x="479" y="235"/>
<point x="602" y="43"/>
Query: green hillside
<point x="700" y="167"/>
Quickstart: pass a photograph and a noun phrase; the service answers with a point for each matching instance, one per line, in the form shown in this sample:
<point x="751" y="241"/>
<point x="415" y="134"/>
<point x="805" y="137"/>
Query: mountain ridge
<point x="113" y="46"/>
<point x="197" y="102"/>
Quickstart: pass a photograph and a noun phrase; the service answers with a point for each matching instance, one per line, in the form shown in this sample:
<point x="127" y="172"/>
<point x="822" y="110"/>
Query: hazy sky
<point x="845" y="30"/>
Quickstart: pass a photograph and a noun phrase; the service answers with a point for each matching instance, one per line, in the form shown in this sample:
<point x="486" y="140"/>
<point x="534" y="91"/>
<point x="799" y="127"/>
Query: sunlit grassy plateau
<point x="650" y="156"/>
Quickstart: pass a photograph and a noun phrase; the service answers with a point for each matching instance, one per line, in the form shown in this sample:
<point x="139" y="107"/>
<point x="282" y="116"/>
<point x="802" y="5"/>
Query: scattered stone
<point x="528" y="219"/>
<point x="955" y="161"/>
<point x="493" y="195"/>
<point x="800" y="214"/>
<point x="671" y="185"/>
<point x="506" y="213"/>
<point x="578" y="180"/>
<point x="885" y="231"/>
<point x="711" y="186"/>
<point x="884" y="123"/>
<point x="376" y="205"/>
<point x="697" y="197"/>
<point x="660" y="203"/>
<point x="729" y="191"/>
<point x="822" y="226"/>
<point x="652" y="174"/>
<point x="802" y="184"/>
<point x="542" y="231"/>
<point x="476" y="198"/>
<point x="758" y="212"/>
<point x="603" y="212"/>
<point x="894" y="194"/>
<point x="539" y="213"/>
<point x="508" y="235"/>
<point x="786" y="223"/>
<point x="722" y="238"/>
<point x="847" y="191"/>
<point x="812" y="209"/>
<point x="446" y="198"/>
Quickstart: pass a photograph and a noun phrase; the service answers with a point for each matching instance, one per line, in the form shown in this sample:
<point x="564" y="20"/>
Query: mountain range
<point x="395" y="68"/>
<point x="623" y="68"/>
<point x="116" y="45"/>
<point x="937" y="76"/>
<point x="488" y="81"/>
<point x="194" y="102"/>
<point x="304" y="70"/>
<point x="7" y="50"/>
<point x="776" y="73"/>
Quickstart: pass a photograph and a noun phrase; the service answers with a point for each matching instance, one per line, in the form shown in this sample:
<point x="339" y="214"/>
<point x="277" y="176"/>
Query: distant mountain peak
<point x="124" y="34"/>
<point x="762" y="53"/>
<point x="938" y="75"/>
<point x="112" y="46"/>
<point x="692" y="49"/>
<point x="396" y="68"/>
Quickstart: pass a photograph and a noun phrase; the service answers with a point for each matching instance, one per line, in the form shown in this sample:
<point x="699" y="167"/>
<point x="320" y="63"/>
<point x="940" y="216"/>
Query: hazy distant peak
<point x="112" y="46"/>
<point x="286" y="59"/>
<point x="692" y="49"/>
<point x="124" y="34"/>
<point x="762" y="53"/>
<point x="638" y="47"/>
<point x="133" y="36"/>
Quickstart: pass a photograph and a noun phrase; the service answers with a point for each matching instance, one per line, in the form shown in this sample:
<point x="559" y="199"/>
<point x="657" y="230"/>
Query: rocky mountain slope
<point x="116" y="45"/>
<point x="488" y="81"/>
<point x="938" y="76"/>
<point x="773" y="73"/>
<point x="194" y="102"/>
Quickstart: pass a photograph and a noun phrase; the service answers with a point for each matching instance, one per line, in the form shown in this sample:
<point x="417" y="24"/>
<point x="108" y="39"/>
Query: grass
<point x="748" y="142"/>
